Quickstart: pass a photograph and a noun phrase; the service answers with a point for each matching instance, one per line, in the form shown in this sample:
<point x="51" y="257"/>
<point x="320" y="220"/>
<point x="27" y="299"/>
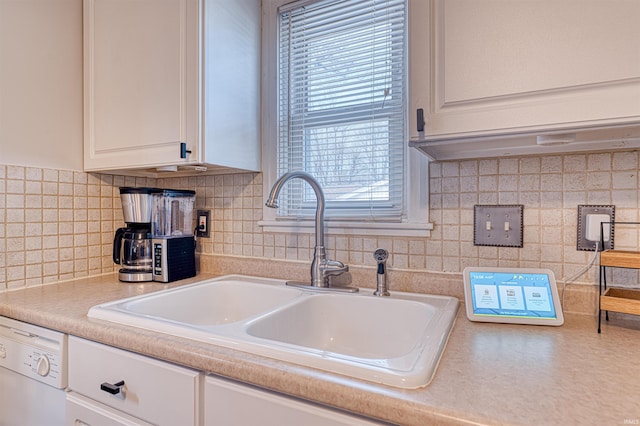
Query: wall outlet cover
<point x="204" y="219"/>
<point x="589" y="219"/>
<point x="498" y="225"/>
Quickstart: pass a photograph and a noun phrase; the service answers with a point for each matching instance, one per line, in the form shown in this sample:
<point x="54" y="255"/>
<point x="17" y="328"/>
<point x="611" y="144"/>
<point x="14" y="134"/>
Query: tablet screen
<point x="522" y="296"/>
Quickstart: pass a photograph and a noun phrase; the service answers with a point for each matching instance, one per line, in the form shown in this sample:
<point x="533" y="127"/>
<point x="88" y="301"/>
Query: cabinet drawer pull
<point x="183" y="150"/>
<point x="420" y="119"/>
<point x="113" y="389"/>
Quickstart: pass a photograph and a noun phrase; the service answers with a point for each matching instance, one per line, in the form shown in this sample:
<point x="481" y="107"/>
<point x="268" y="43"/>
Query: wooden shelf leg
<point x="599" y="296"/>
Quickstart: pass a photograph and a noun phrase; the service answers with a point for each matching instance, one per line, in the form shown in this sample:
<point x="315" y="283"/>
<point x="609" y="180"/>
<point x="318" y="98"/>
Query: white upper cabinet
<point x="171" y="84"/>
<point x="504" y="77"/>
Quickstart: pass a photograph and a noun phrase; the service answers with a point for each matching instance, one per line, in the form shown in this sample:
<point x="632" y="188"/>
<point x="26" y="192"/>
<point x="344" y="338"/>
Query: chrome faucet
<point x="321" y="267"/>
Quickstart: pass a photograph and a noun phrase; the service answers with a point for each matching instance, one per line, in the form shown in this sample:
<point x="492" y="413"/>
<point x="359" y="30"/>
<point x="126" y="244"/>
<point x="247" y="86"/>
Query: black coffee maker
<point x="132" y="248"/>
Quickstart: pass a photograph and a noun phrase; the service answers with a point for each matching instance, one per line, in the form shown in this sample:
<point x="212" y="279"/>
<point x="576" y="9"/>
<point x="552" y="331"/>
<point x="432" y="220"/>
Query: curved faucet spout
<point x="272" y="201"/>
<point x="321" y="267"/>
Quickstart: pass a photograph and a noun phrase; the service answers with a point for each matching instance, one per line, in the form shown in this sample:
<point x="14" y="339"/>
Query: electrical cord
<point x="195" y="234"/>
<point x="580" y="273"/>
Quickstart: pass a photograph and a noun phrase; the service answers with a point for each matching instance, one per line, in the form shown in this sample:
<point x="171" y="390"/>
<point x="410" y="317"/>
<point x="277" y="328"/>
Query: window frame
<point x="414" y="222"/>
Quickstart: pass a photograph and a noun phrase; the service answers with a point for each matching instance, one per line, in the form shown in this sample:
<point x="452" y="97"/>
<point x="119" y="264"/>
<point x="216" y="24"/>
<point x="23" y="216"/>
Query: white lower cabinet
<point x="152" y="392"/>
<point x="114" y="387"/>
<point x="83" y="411"/>
<point x="230" y="403"/>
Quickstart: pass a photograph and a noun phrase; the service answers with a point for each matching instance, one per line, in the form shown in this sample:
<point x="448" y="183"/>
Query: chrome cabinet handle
<point x="113" y="389"/>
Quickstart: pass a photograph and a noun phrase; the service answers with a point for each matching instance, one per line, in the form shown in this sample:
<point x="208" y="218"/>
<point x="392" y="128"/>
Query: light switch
<point x="498" y="225"/>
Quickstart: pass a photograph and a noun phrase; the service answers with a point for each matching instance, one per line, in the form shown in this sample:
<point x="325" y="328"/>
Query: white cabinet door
<point x="231" y="93"/>
<point x="141" y="82"/>
<point x="233" y="404"/>
<point x="83" y="411"/>
<point x="502" y="67"/>
<point x="145" y="388"/>
<point x="162" y="74"/>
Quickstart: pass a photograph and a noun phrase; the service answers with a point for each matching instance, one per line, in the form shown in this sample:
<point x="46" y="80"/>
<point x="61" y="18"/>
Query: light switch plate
<point x="589" y="218"/>
<point x="498" y="225"/>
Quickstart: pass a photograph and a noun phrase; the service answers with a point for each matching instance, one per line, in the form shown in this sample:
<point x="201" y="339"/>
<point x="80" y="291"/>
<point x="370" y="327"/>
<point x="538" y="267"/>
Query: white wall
<point x="41" y="83"/>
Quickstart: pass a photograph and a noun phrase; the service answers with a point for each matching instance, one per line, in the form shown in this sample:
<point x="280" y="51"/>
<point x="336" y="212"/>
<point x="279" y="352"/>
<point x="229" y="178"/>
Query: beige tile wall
<point x="550" y="188"/>
<point x="57" y="225"/>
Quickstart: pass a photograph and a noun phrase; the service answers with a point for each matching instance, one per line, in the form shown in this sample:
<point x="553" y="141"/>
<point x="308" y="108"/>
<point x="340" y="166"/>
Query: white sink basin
<point x="210" y="303"/>
<point x="362" y="327"/>
<point x="395" y="340"/>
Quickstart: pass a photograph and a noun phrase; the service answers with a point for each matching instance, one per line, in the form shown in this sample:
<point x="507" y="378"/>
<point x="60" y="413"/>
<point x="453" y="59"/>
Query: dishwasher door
<point x="25" y="401"/>
<point x="33" y="375"/>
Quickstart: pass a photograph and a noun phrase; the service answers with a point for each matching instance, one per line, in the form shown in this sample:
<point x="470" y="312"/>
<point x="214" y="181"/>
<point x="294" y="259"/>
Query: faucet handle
<point x="333" y="267"/>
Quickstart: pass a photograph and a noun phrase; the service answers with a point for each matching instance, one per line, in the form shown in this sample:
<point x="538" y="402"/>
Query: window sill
<point x="389" y="229"/>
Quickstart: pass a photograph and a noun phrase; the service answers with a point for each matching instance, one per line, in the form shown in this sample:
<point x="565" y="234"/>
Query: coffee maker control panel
<point x="158" y="267"/>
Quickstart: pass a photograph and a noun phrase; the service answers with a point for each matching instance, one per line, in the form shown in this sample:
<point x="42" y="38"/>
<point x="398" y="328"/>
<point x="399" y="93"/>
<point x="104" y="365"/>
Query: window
<point x="340" y="94"/>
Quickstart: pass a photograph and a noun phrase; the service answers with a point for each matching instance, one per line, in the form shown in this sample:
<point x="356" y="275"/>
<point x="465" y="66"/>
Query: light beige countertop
<point x="488" y="374"/>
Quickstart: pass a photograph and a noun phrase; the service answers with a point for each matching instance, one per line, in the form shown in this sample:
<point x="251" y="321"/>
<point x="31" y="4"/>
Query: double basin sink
<point x="396" y="341"/>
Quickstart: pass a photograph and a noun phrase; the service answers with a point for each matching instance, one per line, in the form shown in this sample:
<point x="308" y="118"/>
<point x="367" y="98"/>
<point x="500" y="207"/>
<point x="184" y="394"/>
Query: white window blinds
<point x="342" y="106"/>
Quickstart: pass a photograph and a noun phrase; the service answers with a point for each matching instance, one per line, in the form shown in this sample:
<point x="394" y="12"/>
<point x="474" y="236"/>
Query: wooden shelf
<point x="620" y="259"/>
<point x="626" y="301"/>
<point x="616" y="299"/>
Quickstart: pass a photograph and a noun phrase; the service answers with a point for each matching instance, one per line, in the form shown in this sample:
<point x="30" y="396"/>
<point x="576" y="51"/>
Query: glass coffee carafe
<point x="134" y="254"/>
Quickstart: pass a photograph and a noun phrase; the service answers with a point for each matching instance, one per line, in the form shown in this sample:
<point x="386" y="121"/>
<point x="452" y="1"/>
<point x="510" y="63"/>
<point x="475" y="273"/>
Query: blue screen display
<point x="512" y="295"/>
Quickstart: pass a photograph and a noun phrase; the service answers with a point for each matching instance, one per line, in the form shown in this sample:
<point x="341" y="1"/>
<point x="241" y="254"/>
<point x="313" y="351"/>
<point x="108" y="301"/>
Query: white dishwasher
<point x="33" y="375"/>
